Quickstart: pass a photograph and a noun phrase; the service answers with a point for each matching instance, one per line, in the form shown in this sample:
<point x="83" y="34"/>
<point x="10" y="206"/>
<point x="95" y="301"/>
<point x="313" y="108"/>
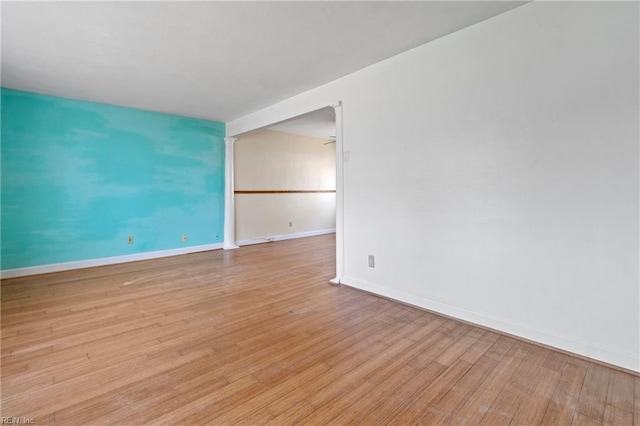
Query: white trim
<point x="229" y="196"/>
<point x="286" y="237"/>
<point x="340" y="158"/>
<point x="584" y="347"/>
<point x="90" y="263"/>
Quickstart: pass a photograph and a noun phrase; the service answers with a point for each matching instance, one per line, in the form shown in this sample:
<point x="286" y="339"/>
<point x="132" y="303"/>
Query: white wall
<point x="270" y="160"/>
<point x="494" y="174"/>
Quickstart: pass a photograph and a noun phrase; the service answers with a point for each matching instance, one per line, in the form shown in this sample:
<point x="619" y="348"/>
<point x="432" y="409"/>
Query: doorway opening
<point x="287" y="180"/>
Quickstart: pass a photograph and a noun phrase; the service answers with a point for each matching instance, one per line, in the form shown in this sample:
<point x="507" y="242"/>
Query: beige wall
<point x="269" y="160"/>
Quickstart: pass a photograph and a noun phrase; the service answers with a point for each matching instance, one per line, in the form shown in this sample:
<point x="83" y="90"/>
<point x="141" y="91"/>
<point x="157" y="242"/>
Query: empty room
<point x="315" y="213"/>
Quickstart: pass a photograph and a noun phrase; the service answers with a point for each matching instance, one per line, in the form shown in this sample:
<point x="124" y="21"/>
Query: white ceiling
<point x="215" y="60"/>
<point x="317" y="124"/>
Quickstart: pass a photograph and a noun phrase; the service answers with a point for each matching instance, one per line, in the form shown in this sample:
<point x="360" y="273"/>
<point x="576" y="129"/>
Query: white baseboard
<point x="286" y="237"/>
<point x="66" y="266"/>
<point x="587" y="348"/>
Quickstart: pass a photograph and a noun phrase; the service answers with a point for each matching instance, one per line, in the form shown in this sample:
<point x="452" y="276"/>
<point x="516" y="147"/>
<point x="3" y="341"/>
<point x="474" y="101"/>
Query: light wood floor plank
<point x="257" y="336"/>
<point x="593" y="395"/>
<point x="562" y="406"/>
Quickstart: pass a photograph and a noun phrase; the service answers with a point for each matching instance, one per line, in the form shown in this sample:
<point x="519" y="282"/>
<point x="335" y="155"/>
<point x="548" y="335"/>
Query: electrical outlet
<point x="372" y="261"/>
<point x="130" y="239"/>
<point x="185" y="238"/>
<point x="290" y="224"/>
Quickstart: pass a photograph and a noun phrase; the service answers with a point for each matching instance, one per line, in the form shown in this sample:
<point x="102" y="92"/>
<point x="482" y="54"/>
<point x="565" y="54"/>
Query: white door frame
<point x="339" y="196"/>
<point x="229" y="222"/>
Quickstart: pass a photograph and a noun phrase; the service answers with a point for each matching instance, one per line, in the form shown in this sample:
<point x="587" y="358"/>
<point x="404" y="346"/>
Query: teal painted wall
<point x="79" y="177"/>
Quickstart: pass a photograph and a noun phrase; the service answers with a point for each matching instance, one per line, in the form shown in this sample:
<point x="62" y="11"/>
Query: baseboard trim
<point x="286" y="237"/>
<point x="582" y="348"/>
<point x="90" y="263"/>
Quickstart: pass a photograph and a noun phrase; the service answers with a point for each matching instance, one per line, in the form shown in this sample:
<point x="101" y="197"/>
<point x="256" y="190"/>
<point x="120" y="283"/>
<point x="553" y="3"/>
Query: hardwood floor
<point x="256" y="336"/>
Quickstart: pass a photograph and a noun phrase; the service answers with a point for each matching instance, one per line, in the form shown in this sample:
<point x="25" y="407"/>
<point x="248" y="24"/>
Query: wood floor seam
<point x="257" y="336"/>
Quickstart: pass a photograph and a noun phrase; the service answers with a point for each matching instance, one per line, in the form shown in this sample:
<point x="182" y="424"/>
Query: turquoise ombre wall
<point x="79" y="177"/>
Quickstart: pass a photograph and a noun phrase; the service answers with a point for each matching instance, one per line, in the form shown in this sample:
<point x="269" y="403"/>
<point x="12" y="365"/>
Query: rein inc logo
<point x="17" y="421"/>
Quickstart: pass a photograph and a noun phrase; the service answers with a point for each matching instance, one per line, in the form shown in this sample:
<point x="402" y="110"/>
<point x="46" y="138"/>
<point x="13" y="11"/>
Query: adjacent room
<point x="285" y="180"/>
<point x="320" y="212"/>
